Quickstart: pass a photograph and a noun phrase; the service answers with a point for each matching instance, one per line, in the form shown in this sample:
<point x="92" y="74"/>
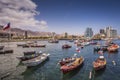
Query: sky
<point x="59" y="16"/>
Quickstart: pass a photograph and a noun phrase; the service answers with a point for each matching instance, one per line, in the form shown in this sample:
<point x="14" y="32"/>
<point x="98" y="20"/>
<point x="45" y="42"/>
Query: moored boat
<point x="29" y="52"/>
<point x="100" y="63"/>
<point x="72" y="65"/>
<point x="1" y="47"/>
<point x="66" y="60"/>
<point x="36" y="61"/>
<point x="66" y="46"/>
<point x="113" y="48"/>
<point x="29" y="56"/>
<point x="53" y="41"/>
<point x="39" y="45"/>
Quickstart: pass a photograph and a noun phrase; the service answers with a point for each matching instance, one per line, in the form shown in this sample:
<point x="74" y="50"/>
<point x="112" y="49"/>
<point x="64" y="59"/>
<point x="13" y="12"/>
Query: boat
<point x="113" y="48"/>
<point x="1" y="47"/>
<point x="36" y="61"/>
<point x="100" y="63"/>
<point x="26" y="46"/>
<point x="30" y="56"/>
<point x="20" y="45"/>
<point x="72" y="65"/>
<point x="53" y="41"/>
<point x="66" y="46"/>
<point x="93" y="43"/>
<point x="29" y="52"/>
<point x="66" y="60"/>
<point x="38" y="45"/>
<point x="71" y="40"/>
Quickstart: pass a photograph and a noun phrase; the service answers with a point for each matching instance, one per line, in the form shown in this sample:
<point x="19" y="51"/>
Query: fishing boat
<point x="113" y="48"/>
<point x="36" y="61"/>
<point x="29" y="52"/>
<point x="53" y="41"/>
<point x="71" y="40"/>
<point x="1" y="47"/>
<point x="20" y="45"/>
<point x="100" y="63"/>
<point x="38" y="45"/>
<point x="66" y="46"/>
<point x="72" y="65"/>
<point x="66" y="60"/>
<point x="29" y="56"/>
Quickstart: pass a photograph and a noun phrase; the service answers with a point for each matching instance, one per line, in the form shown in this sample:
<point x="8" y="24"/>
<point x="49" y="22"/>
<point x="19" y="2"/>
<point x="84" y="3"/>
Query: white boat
<point x="36" y="61"/>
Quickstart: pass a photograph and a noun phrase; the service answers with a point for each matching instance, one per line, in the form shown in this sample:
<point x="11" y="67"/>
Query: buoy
<point x="113" y="62"/>
<point x="90" y="75"/>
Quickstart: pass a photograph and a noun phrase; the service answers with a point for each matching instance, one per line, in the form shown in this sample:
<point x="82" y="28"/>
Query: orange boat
<point x="72" y="65"/>
<point x="113" y="48"/>
<point x="100" y="63"/>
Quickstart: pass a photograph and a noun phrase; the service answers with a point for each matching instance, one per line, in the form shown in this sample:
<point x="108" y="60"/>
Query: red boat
<point x="72" y="65"/>
<point x="100" y="63"/>
<point x="113" y="48"/>
<point x="66" y="46"/>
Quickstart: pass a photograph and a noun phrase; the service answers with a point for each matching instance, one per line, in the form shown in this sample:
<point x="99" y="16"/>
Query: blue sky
<point x="73" y="16"/>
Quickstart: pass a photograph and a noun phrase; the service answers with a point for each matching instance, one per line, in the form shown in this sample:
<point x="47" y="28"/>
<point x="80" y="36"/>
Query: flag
<point x="78" y="50"/>
<point x="7" y="26"/>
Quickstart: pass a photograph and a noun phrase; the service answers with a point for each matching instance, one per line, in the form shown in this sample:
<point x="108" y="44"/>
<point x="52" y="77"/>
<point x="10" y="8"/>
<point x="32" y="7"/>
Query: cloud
<point x="21" y="14"/>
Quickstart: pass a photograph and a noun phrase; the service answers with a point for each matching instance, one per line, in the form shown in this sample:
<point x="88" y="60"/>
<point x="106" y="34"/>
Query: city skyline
<point x="59" y="16"/>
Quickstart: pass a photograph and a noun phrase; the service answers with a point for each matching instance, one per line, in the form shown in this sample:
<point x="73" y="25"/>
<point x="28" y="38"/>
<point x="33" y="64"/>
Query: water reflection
<point x="30" y="70"/>
<point x="72" y="73"/>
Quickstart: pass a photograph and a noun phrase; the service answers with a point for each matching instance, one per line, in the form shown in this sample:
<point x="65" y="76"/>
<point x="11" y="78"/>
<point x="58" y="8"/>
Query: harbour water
<point x="12" y="69"/>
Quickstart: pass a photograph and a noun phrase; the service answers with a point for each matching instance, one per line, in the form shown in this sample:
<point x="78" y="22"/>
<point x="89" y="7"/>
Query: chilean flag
<point x="7" y="26"/>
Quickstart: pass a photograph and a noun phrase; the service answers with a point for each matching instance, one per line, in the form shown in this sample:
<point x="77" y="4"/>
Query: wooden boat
<point x="100" y="63"/>
<point x="26" y="46"/>
<point x="93" y="43"/>
<point x="36" y="61"/>
<point x="29" y="52"/>
<point x="113" y="48"/>
<point x="53" y="41"/>
<point x="66" y="60"/>
<point x="66" y="46"/>
<point x="20" y="45"/>
<point x="40" y="45"/>
<point x="71" y="40"/>
<point x="27" y="57"/>
<point x="1" y="47"/>
<point x="72" y="65"/>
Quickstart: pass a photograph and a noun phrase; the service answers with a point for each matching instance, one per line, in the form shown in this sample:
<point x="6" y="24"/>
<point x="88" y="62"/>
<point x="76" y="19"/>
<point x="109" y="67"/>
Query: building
<point x="88" y="33"/>
<point x="26" y="34"/>
<point x="102" y="31"/>
<point x="113" y="33"/>
<point x="108" y="32"/>
<point x="65" y="35"/>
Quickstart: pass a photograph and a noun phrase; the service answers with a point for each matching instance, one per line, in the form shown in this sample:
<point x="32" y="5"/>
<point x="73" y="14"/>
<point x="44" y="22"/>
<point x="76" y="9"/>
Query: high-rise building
<point x="102" y="31"/>
<point x="108" y="32"/>
<point x="88" y="33"/>
<point x="113" y="33"/>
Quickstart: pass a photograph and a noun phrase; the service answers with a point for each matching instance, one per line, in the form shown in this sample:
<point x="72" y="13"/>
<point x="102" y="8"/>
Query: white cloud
<point x="21" y="14"/>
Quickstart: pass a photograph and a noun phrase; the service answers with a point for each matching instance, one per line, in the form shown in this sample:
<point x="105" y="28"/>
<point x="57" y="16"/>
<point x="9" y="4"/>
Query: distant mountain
<point x="31" y="33"/>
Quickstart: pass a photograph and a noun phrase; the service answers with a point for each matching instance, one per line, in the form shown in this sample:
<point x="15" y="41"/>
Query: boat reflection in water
<point x="30" y="70"/>
<point x="72" y="73"/>
<point x="99" y="73"/>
